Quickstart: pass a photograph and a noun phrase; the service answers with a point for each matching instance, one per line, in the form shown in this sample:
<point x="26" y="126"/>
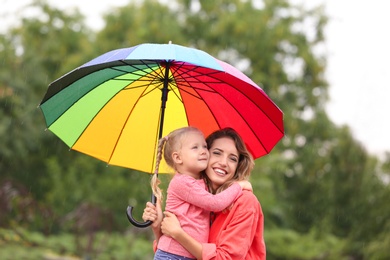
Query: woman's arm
<point x="171" y="227"/>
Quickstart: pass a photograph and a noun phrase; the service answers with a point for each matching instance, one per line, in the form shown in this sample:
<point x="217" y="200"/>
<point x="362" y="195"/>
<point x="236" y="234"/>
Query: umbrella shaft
<point x="164" y="98"/>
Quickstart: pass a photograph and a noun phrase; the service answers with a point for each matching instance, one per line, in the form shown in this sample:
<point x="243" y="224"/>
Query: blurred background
<point x="324" y="188"/>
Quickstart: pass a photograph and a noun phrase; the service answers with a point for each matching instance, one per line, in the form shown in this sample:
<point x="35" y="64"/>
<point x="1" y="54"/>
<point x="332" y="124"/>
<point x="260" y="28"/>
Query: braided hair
<point x="167" y="145"/>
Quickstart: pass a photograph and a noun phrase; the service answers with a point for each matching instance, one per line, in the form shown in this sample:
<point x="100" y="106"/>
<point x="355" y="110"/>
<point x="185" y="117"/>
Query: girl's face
<point x="192" y="157"/>
<point x="223" y="161"/>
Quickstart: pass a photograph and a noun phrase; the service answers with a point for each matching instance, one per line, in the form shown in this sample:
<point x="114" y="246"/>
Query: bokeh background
<point x="324" y="188"/>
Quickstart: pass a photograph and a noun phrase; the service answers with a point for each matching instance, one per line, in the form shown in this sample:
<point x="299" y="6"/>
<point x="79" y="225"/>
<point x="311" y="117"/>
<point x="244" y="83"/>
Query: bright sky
<point x="358" y="54"/>
<point x="359" y="70"/>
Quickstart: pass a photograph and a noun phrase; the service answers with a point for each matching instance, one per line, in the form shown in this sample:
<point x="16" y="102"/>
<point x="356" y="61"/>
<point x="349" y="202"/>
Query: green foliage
<point x="23" y="244"/>
<point x="289" y="244"/>
<point x="378" y="248"/>
<point x="139" y="23"/>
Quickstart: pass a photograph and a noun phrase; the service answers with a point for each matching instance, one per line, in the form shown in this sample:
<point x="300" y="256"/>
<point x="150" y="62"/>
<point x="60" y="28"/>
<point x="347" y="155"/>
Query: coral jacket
<point x="238" y="233"/>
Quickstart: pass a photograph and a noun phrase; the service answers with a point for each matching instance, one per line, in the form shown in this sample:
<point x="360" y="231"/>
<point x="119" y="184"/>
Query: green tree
<point x="35" y="52"/>
<point x="137" y="23"/>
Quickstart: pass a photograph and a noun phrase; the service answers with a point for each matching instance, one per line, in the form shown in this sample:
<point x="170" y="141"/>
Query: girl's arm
<point x="154" y="214"/>
<point x="171" y="227"/>
<point x="191" y="191"/>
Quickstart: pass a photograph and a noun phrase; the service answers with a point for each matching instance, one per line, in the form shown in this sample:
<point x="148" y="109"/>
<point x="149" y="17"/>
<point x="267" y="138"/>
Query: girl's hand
<point x="154" y="214"/>
<point x="170" y="226"/>
<point x="245" y="185"/>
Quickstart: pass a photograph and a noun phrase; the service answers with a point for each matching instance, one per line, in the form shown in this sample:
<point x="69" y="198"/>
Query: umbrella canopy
<point x="116" y="106"/>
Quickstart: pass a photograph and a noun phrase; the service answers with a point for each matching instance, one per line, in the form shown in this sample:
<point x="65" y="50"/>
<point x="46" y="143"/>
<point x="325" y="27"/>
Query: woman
<point x="235" y="233"/>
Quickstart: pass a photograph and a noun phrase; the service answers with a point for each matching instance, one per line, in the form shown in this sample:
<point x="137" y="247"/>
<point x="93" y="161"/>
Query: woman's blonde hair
<point x="245" y="161"/>
<point x="166" y="147"/>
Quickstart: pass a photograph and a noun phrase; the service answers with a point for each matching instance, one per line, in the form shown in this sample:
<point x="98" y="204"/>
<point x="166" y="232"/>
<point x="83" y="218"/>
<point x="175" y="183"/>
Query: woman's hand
<point x="245" y="185"/>
<point x="170" y="225"/>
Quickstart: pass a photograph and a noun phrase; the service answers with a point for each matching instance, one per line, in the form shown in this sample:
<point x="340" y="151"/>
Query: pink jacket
<point x="190" y="201"/>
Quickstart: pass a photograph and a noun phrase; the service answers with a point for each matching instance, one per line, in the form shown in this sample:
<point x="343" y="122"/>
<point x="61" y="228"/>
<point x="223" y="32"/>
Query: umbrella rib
<point x="218" y="82"/>
<point x="146" y="72"/>
<point x="181" y="88"/>
<point x="184" y="76"/>
<point x="190" y="79"/>
<point x="181" y="73"/>
<point x="127" y="119"/>
<point x="151" y="82"/>
<point x="185" y="79"/>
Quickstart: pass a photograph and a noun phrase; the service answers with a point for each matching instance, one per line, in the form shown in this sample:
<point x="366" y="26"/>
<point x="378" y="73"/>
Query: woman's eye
<point x="234" y="159"/>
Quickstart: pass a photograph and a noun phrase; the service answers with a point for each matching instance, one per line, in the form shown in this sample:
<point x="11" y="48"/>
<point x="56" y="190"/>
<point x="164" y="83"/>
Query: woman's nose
<point x="223" y="161"/>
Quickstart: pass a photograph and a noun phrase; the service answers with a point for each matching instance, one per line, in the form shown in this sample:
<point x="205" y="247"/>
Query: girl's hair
<point x="166" y="147"/>
<point x="245" y="162"/>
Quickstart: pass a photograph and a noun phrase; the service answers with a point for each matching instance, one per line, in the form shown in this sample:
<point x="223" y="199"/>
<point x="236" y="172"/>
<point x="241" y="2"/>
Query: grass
<point x="23" y="244"/>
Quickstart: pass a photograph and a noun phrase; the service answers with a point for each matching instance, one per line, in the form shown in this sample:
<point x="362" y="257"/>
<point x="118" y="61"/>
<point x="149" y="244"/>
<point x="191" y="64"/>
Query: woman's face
<point x="223" y="161"/>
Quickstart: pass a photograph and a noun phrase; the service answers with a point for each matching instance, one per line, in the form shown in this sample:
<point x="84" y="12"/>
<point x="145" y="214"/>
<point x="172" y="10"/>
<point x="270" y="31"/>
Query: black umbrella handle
<point x="129" y="213"/>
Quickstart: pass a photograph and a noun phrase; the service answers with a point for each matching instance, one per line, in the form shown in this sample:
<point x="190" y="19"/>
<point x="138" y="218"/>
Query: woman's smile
<point x="223" y="161"/>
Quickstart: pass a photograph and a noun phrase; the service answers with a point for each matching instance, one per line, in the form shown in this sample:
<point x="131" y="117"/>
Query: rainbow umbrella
<point x="117" y="106"/>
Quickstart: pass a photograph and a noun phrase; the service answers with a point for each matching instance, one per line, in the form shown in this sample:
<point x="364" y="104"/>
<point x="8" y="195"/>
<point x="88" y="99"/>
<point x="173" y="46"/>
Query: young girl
<point x="185" y="151"/>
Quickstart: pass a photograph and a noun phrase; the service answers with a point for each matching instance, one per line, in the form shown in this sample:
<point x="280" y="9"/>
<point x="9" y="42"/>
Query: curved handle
<point x="129" y="213"/>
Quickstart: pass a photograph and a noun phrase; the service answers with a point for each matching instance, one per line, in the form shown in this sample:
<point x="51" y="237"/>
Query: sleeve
<point x="240" y="231"/>
<point x="154" y="246"/>
<point x="194" y="193"/>
<point x="209" y="251"/>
